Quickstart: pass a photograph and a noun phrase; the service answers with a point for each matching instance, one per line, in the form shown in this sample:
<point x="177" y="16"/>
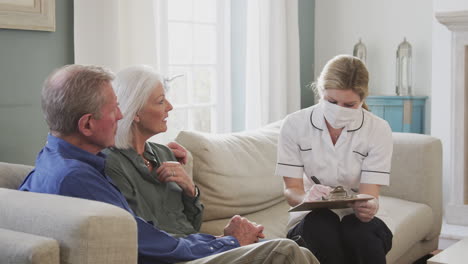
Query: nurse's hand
<point x="317" y="192"/>
<point x="365" y="210"/>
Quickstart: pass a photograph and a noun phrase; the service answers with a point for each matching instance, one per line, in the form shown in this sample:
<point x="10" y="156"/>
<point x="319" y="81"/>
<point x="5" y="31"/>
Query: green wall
<point x="238" y="53"/>
<point x="26" y="58"/>
<point x="306" y="43"/>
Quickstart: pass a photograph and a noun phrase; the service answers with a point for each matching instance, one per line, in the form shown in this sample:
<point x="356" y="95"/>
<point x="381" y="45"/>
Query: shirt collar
<point x="138" y="163"/>
<point x="149" y="150"/>
<point x="71" y="151"/>
<point x="132" y="155"/>
<point x="317" y="119"/>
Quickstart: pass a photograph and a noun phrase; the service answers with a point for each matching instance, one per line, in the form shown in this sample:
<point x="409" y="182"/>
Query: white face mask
<point x="338" y="116"/>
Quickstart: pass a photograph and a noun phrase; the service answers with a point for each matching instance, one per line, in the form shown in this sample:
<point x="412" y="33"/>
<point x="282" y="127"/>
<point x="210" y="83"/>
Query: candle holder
<point x="360" y="51"/>
<point x="404" y="69"/>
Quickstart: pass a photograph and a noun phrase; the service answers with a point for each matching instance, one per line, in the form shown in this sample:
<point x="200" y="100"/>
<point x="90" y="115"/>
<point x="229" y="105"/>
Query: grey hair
<point x="71" y="92"/>
<point x="133" y="87"/>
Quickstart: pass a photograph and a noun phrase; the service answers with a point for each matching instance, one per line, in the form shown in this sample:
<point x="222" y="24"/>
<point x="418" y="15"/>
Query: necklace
<point x="147" y="163"/>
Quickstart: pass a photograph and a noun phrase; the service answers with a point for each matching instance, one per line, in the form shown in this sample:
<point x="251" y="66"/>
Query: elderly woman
<point x="155" y="185"/>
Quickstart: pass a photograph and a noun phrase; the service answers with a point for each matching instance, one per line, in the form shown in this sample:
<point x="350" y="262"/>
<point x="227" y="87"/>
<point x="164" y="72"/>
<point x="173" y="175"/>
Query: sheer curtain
<point x="116" y="33"/>
<point x="272" y="63"/>
<point x="120" y="33"/>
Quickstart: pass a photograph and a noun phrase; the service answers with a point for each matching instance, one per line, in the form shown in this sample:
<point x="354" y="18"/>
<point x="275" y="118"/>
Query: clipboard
<point x="330" y="204"/>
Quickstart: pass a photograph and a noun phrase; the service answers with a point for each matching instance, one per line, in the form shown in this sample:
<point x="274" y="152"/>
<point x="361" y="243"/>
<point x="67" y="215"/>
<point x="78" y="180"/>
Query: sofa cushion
<point x="23" y="248"/>
<point x="245" y="160"/>
<point x="409" y="222"/>
<point x="12" y="175"/>
<point x="275" y="220"/>
<point x="416" y="173"/>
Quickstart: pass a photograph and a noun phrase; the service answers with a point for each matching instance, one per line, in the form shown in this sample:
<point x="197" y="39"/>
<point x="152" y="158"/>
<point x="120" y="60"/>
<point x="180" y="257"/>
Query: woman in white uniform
<point x="339" y="143"/>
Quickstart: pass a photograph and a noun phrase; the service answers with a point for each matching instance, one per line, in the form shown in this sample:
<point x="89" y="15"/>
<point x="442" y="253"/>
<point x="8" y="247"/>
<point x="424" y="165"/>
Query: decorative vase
<point x="360" y="51"/>
<point x="404" y="69"/>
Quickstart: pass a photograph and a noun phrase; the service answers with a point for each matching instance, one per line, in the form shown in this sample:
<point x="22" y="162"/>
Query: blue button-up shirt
<point x="64" y="169"/>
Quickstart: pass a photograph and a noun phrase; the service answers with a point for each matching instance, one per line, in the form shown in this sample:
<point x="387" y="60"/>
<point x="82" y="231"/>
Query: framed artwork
<point x="28" y="14"/>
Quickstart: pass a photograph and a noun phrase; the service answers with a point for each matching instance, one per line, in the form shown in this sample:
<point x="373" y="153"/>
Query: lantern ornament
<point x="360" y="51"/>
<point x="403" y="69"/>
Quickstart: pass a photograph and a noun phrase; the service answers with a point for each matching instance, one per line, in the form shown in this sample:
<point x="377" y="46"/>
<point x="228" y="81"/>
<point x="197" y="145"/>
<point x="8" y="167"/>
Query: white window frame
<point x="221" y="94"/>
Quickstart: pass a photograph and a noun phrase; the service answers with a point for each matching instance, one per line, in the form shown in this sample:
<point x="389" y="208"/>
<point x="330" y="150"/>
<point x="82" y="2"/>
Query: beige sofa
<point x="235" y="173"/>
<point x="47" y="229"/>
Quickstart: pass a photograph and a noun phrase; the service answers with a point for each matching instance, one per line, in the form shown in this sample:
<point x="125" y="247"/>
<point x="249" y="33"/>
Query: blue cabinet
<point x="403" y="113"/>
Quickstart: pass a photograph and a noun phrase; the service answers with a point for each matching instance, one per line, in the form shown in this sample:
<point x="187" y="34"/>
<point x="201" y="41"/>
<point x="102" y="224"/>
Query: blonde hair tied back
<point x="344" y="72"/>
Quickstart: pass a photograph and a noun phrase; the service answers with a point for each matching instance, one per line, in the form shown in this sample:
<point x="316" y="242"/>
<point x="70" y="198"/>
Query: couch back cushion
<point x="12" y="175"/>
<point x="235" y="172"/>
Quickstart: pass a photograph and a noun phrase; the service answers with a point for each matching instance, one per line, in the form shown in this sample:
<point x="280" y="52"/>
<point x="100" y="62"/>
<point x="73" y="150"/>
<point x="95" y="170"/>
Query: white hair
<point x="132" y="86"/>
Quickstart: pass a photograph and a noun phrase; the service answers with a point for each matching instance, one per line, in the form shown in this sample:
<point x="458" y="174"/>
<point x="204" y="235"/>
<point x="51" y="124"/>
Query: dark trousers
<point x="347" y="241"/>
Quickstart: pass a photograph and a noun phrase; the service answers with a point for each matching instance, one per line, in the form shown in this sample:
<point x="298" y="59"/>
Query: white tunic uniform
<point x="362" y="153"/>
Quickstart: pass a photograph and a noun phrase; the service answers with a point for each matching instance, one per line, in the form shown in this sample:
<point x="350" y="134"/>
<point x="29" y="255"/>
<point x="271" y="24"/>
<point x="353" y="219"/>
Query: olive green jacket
<point x="163" y="204"/>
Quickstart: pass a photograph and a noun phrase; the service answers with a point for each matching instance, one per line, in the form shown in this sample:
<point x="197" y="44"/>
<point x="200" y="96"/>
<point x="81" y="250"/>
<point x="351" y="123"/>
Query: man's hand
<point x="243" y="230"/>
<point x="365" y="210"/>
<point x="172" y="171"/>
<point x="179" y="152"/>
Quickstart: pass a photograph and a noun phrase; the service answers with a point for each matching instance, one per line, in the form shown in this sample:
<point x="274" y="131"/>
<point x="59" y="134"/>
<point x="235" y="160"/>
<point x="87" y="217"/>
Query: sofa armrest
<point x="12" y="175"/>
<point x="22" y="248"/>
<point x="87" y="231"/>
<point x="416" y="173"/>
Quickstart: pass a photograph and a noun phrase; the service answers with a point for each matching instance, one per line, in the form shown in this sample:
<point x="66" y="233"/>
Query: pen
<point x="314" y="179"/>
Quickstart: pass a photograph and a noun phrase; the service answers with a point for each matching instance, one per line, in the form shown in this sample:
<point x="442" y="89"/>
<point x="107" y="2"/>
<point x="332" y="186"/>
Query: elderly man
<point x="81" y="110"/>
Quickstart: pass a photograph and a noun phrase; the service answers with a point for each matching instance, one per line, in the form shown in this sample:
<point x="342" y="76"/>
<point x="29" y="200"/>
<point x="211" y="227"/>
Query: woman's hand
<point x="365" y="210"/>
<point x="317" y="192"/>
<point x="172" y="171"/>
<point x="179" y="152"/>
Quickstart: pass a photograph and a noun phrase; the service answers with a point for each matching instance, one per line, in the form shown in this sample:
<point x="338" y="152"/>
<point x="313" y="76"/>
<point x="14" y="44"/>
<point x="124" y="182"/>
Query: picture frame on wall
<point x="28" y="14"/>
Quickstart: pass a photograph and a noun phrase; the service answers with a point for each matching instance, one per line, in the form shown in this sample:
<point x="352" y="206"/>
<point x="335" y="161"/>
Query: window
<point x="195" y="47"/>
